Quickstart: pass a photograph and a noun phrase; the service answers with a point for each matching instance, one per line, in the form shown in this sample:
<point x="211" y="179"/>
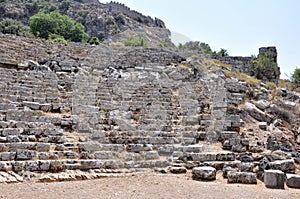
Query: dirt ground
<point x="144" y="185"/>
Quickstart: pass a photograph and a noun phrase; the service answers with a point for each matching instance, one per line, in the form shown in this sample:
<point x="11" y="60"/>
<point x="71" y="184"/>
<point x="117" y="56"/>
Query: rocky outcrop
<point x="111" y="22"/>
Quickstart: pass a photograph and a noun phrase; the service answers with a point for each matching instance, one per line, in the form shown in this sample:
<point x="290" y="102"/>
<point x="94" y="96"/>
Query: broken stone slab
<point x="274" y="179"/>
<point x="204" y="173"/>
<point x="241" y="177"/>
<point x="256" y="113"/>
<point x="293" y="180"/>
<point x="32" y="105"/>
<point x="262" y="104"/>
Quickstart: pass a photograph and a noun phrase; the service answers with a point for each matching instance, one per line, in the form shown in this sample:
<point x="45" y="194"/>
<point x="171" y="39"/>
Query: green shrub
<point x="11" y="26"/>
<point x="136" y="41"/>
<point x="164" y="44"/>
<point x="94" y="40"/>
<point x="223" y="52"/>
<point x="198" y="46"/>
<point x="56" y="38"/>
<point x="42" y="24"/>
<point x="296" y="76"/>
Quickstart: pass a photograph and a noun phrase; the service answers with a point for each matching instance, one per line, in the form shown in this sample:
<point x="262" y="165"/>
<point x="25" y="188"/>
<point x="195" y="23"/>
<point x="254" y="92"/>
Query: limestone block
<point x="225" y="157"/>
<point x="262" y="104"/>
<point x="32" y="105"/>
<point x="246" y="157"/>
<point x="204" y="173"/>
<point x="274" y="179"/>
<point x="10" y="131"/>
<point x="3" y="139"/>
<point x="287" y="166"/>
<point x="272" y="143"/>
<point x="32" y="166"/>
<point x="202" y="157"/>
<point x="256" y="113"/>
<point x="151" y="155"/>
<point x="228" y="134"/>
<point x="241" y="177"/>
<point x="293" y="181"/>
<point x="190" y="120"/>
<point x="42" y="147"/>
<point x="25" y="154"/>
<point x="5" y="166"/>
<point x="44" y="165"/>
<point x="263" y="125"/>
<point x="18" y="166"/>
<point x="177" y="170"/>
<point x="7" y="156"/>
<point x="90" y="164"/>
<point x="13" y="138"/>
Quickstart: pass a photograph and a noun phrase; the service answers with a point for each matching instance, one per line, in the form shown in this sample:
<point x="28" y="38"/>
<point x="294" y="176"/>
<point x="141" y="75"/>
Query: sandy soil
<point x="144" y="185"/>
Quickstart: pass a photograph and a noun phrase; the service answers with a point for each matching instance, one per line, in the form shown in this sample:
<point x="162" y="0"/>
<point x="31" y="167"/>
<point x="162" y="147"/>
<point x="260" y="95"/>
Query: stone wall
<point x="121" y="8"/>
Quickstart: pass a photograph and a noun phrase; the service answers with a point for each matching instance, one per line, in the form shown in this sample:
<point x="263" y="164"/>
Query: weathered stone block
<point x="202" y="157"/>
<point x="225" y="157"/>
<point x="32" y="105"/>
<point x="177" y="170"/>
<point x="90" y="164"/>
<point x="5" y="166"/>
<point x="274" y="179"/>
<point x="25" y="154"/>
<point x="44" y="165"/>
<point x="241" y="177"/>
<point x="43" y="147"/>
<point x="32" y="166"/>
<point x="263" y="125"/>
<point x="262" y="104"/>
<point x="7" y="156"/>
<point x="287" y="166"/>
<point x="293" y="181"/>
<point x="204" y="173"/>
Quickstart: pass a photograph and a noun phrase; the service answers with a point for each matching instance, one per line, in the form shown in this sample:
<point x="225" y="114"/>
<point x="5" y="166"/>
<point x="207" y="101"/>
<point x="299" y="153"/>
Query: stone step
<point x="209" y="156"/>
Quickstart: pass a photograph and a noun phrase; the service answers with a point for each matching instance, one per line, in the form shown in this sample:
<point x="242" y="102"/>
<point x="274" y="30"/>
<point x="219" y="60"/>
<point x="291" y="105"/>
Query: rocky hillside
<point x="110" y="22"/>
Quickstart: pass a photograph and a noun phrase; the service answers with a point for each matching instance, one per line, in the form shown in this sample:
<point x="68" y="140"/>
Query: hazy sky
<point x="240" y="26"/>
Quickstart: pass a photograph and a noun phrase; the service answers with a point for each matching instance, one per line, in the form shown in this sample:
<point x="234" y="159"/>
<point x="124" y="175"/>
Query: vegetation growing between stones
<point x="250" y="81"/>
<point x="136" y="41"/>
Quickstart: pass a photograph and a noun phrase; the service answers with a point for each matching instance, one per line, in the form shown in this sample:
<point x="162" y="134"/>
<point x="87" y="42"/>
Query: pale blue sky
<point x="240" y="26"/>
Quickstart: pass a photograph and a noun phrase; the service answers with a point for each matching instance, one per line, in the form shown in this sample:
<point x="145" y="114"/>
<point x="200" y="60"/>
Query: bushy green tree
<point x="43" y="24"/>
<point x="223" y="52"/>
<point x="265" y="66"/>
<point x="11" y="26"/>
<point x="198" y="46"/>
